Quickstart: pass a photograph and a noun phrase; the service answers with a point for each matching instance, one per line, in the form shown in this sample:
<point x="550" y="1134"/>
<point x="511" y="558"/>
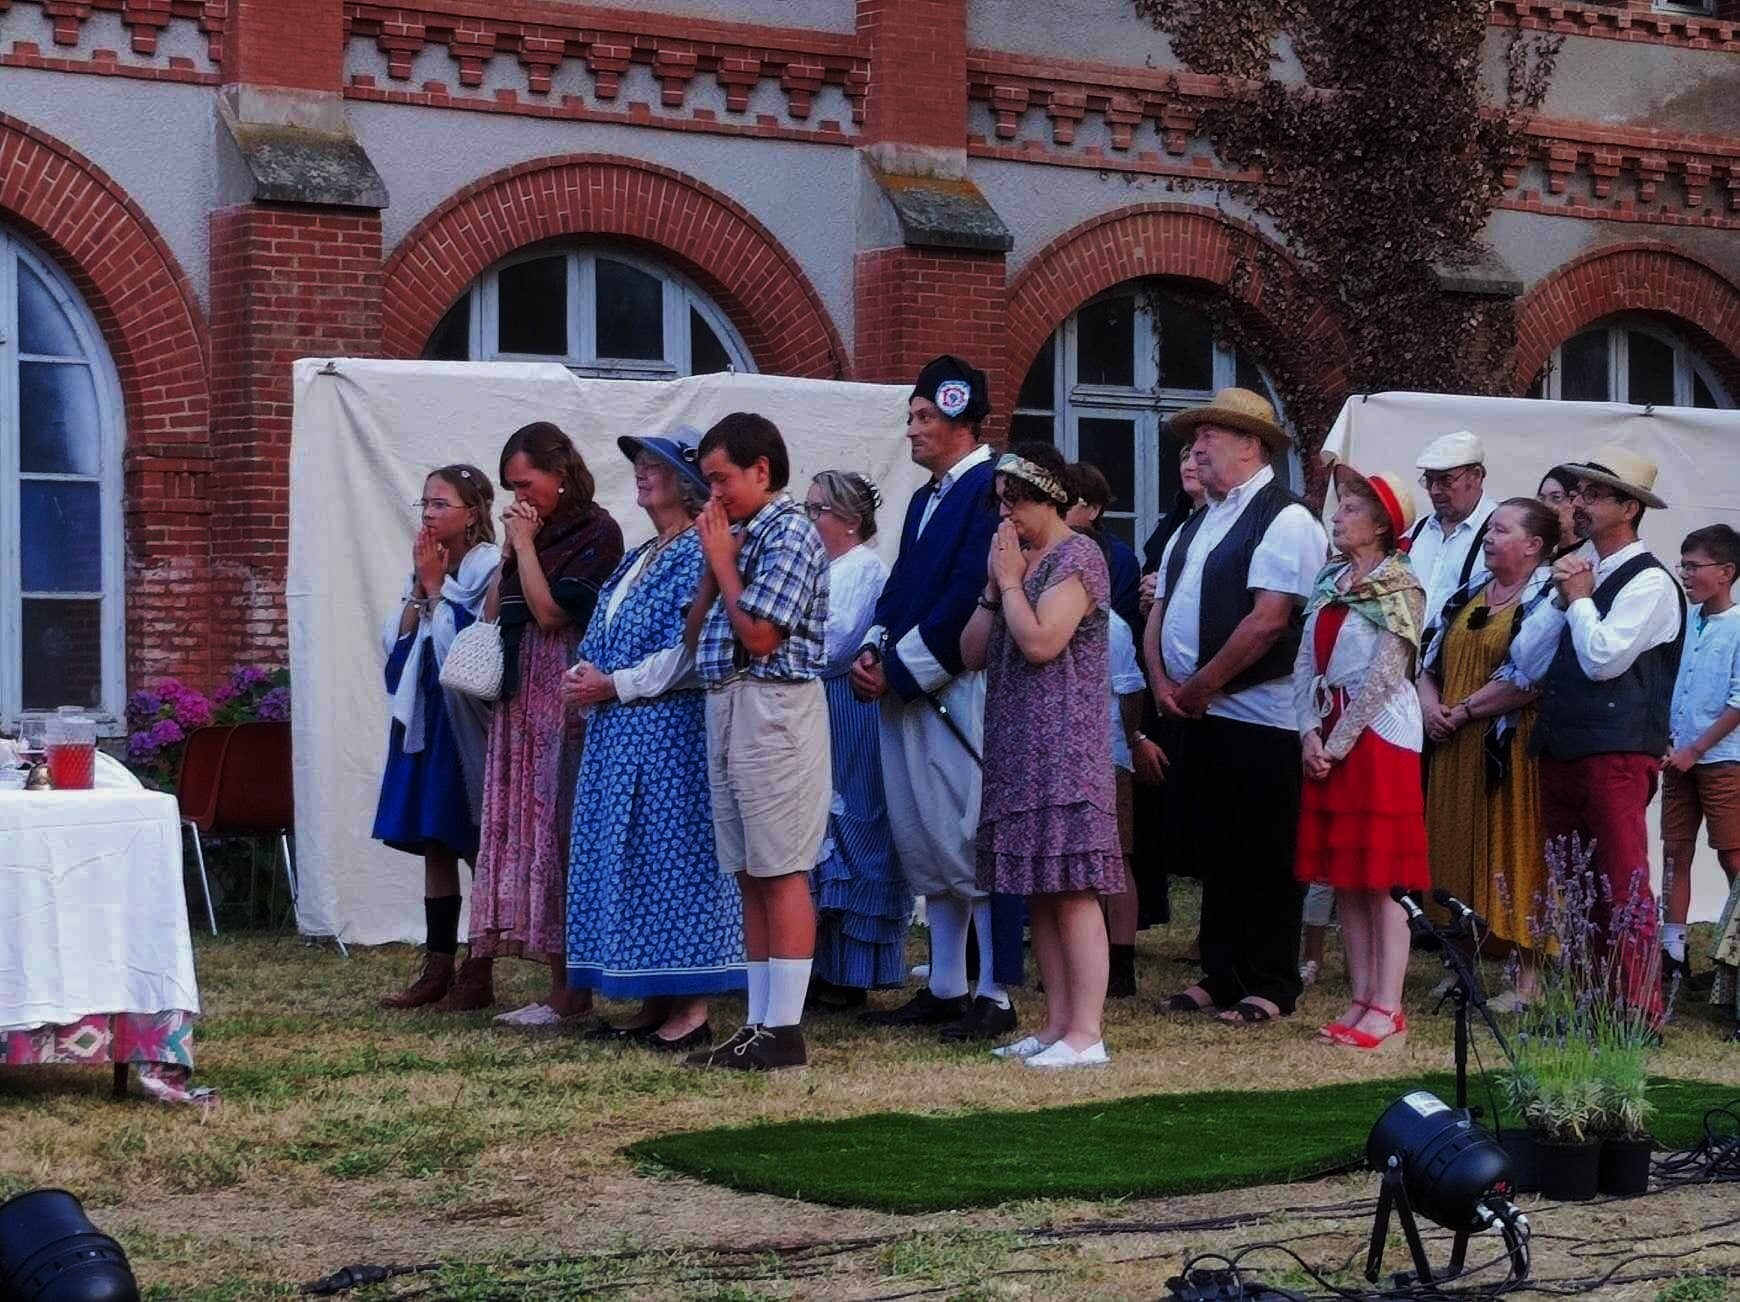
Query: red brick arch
<point x="1631" y="277"/>
<point x="1184" y="242"/>
<point x="129" y="279"/>
<point x="713" y="239"/>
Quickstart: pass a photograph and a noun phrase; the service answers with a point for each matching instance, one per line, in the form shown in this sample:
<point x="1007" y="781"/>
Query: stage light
<point x="50" y="1252"/>
<point x="1436" y="1161"/>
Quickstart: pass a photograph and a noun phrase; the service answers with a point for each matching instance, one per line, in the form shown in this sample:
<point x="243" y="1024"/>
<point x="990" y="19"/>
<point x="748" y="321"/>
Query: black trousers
<point x="1237" y="812"/>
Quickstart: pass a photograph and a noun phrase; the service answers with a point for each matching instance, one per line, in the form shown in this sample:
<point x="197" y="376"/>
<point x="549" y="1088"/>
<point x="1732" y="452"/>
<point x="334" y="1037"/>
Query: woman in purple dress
<point x="1048" y="818"/>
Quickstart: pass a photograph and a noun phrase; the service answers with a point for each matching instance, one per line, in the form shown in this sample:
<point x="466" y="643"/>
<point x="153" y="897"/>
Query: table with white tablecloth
<point x="96" y="957"/>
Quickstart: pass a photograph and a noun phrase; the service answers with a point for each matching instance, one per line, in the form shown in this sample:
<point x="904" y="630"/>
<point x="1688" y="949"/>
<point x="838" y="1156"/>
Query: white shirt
<point x="1437" y="555"/>
<point x="1644" y="614"/>
<point x="977" y="456"/>
<point x="662" y="671"/>
<point x="1126" y="679"/>
<point x="1287" y="560"/>
<point x="1709" y="683"/>
<point x="855" y="581"/>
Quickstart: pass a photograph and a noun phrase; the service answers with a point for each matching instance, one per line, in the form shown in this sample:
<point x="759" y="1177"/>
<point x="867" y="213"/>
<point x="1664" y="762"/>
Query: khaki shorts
<point x="1710" y="793"/>
<point x="771" y="773"/>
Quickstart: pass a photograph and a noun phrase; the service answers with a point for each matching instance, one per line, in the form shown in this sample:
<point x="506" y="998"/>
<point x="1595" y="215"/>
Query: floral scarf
<point x="1380" y="597"/>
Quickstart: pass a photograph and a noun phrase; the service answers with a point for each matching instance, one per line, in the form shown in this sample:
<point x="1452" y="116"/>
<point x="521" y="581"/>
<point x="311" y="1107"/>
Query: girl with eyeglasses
<point x="432" y="788"/>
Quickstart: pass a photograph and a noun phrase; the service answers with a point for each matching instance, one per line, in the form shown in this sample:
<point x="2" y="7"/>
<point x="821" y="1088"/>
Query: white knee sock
<point x="758" y="982"/>
<point x="947" y="916"/>
<point x="988" y="987"/>
<point x="788" y="980"/>
<point x="1673" y="939"/>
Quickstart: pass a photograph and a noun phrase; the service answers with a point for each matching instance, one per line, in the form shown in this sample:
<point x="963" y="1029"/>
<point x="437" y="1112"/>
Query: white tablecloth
<point x="93" y="914"/>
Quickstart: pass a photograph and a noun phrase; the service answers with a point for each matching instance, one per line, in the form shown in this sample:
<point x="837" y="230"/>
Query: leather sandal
<point x="1352" y="1037"/>
<point x="1183" y="1003"/>
<point x="1247" y="1012"/>
<point x="1330" y="1033"/>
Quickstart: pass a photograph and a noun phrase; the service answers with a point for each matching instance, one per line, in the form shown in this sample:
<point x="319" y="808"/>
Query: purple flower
<point x="275" y="705"/>
<point x="166" y="732"/>
<point x="140" y="748"/>
<point x="142" y="706"/>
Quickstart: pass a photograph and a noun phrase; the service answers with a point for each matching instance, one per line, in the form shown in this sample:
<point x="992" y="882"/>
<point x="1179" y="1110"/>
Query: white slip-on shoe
<point x="1025" y="1047"/>
<point x="1060" y="1056"/>
<point x="530" y="1015"/>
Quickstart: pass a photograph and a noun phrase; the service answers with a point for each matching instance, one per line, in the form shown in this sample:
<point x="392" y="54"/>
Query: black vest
<point x="1624" y="715"/>
<point x="1226" y="592"/>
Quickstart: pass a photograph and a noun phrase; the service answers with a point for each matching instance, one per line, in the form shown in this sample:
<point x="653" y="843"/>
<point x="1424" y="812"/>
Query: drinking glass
<point x="33" y="735"/>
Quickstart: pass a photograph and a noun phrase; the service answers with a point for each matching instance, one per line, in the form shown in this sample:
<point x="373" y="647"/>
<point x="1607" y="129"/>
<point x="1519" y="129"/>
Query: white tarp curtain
<point x="1697" y="451"/>
<point x="365" y="433"/>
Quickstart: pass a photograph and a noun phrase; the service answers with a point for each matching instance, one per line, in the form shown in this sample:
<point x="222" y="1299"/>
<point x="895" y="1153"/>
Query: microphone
<point x="1418" y="922"/>
<point x="1472" y="923"/>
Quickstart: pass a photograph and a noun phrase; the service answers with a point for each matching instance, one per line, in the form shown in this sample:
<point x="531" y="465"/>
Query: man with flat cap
<point x="1604" y="654"/>
<point x="1444" y="547"/>
<point x="933" y="711"/>
<point x="1220" y="642"/>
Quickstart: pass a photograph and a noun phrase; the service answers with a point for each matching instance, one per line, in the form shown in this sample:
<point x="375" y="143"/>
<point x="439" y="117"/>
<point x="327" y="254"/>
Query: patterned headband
<point x="1041" y="478"/>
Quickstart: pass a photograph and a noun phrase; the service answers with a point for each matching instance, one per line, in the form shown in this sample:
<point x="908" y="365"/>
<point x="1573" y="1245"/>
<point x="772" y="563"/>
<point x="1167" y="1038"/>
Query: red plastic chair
<point x="196" y="791"/>
<point x="255" y="791"/>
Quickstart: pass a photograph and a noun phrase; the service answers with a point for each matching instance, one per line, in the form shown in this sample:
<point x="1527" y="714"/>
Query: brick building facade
<point x="195" y="192"/>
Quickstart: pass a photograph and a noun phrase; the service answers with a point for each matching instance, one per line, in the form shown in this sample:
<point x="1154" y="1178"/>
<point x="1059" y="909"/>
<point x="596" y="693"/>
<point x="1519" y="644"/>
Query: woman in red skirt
<point x="1362" y="822"/>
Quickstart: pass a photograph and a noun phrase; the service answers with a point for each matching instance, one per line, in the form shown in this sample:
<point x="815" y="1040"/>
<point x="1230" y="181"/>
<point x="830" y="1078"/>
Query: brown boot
<point x="431" y="984"/>
<point x="473" y="988"/>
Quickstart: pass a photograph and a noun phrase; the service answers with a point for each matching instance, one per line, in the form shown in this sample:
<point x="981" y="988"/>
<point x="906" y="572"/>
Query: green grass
<point x="1155" y="1145"/>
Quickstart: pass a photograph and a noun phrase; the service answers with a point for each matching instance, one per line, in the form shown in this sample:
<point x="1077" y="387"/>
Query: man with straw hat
<point x="1604" y="655"/>
<point x="1219" y="646"/>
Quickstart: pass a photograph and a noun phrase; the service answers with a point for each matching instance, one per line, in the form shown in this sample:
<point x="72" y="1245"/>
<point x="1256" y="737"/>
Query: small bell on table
<point x="39" y="779"/>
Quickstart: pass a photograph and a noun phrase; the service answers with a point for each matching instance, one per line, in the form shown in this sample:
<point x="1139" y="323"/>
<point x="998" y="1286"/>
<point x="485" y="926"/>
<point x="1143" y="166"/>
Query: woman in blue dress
<point x="424" y="805"/>
<point x="863" y="905"/>
<point x="650" y="915"/>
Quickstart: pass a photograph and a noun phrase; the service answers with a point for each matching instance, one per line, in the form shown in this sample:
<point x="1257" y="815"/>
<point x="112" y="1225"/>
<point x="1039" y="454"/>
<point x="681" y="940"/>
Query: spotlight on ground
<point x="50" y="1252"/>
<point x="1437" y="1162"/>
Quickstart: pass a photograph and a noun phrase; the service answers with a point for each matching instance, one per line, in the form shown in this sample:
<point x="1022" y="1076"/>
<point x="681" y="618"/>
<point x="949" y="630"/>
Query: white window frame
<point x="1145" y="403"/>
<point x="679" y="295"/>
<point x="1687" y="363"/>
<point x="111" y="439"/>
<point x="1699" y="8"/>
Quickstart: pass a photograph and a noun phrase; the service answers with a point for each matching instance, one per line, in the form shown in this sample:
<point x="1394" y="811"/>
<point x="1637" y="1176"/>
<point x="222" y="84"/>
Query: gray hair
<point x="852" y="494"/>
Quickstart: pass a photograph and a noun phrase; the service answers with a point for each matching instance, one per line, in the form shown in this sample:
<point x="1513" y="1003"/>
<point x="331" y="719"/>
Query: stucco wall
<point x="158" y="140"/>
<point x="803" y="193"/>
<point x="1618" y="83"/>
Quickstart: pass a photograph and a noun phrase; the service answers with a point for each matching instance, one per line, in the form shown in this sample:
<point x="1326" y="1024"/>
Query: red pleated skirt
<point x="1363" y="828"/>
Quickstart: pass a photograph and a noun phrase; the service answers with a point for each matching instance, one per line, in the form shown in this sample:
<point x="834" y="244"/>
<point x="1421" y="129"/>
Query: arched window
<point x="1630" y="359"/>
<point x="1105" y="383"/>
<point x="599" y="311"/>
<point x="61" y="617"/>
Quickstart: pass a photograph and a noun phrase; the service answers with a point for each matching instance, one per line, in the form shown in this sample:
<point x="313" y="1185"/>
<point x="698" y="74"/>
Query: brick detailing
<point x="145" y="22"/>
<point x="547" y="42"/>
<point x="713" y="239"/>
<point x="297" y="46"/>
<point x="1633" y="277"/>
<point x="1623" y="20"/>
<point x="151" y="323"/>
<point x="1580" y="169"/>
<point x="912" y="304"/>
<point x="916" y="49"/>
<point x="1179" y="241"/>
<point x="286" y="283"/>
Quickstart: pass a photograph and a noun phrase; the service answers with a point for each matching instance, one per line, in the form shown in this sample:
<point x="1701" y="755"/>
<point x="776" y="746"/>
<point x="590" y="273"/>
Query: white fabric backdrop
<point x="365" y="433"/>
<point x="1697" y="451"/>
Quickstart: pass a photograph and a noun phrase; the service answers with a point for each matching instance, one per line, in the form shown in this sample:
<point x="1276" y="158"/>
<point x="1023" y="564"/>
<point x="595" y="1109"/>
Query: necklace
<point x="1494" y="589"/>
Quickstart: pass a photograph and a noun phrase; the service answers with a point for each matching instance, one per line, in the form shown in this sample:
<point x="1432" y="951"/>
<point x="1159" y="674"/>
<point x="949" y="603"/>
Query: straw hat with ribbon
<point x="1619" y="469"/>
<point x="1391" y="491"/>
<point x="1236" y="409"/>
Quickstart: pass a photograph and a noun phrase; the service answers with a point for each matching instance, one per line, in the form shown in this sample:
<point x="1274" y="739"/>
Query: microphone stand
<point x="1466" y="991"/>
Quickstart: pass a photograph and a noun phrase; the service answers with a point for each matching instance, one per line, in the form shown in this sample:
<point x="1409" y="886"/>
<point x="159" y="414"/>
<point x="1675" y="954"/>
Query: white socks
<point x="758" y="982"/>
<point x="1673" y="939"/>
<point x="788" y="981"/>
<point x="988" y="987"/>
<point x="947" y="916"/>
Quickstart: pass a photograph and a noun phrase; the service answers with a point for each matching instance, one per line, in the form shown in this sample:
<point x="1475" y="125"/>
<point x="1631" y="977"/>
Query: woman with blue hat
<point x="650" y="915"/>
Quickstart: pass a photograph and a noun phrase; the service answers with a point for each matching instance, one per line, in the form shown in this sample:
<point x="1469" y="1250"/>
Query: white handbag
<point x="474" y="662"/>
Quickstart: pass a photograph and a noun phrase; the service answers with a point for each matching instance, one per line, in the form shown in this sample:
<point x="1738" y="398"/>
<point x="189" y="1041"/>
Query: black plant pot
<point x="1568" y="1172"/>
<point x="1519" y="1145"/>
<point x="1625" y="1165"/>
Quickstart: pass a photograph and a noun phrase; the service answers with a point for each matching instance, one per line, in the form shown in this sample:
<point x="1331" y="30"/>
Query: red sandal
<point x="1396" y="1037"/>
<point x="1331" y="1033"/>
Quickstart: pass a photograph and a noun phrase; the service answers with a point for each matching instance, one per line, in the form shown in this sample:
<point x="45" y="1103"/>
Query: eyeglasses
<point x="434" y="505"/>
<point x="1587" y="494"/>
<point x="1692" y="567"/>
<point x="816" y="510"/>
<point x="1443" y="478"/>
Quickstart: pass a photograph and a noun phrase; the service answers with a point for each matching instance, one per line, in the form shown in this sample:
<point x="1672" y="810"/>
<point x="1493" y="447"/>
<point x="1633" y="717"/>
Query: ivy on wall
<point x="1379" y="170"/>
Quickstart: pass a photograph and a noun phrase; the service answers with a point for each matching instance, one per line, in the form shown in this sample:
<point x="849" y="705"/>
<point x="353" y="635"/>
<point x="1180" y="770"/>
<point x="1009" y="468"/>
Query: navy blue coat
<point x="936" y="580"/>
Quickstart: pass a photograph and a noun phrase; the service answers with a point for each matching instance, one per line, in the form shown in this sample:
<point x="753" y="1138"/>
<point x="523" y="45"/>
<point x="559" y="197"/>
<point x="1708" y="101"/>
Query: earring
<point x="560" y="489"/>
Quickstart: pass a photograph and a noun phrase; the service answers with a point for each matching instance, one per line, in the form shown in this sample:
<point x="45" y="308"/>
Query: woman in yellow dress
<point x="1483" y="812"/>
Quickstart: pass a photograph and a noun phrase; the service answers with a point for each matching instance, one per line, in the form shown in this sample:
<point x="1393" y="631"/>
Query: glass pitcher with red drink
<point x="72" y="752"/>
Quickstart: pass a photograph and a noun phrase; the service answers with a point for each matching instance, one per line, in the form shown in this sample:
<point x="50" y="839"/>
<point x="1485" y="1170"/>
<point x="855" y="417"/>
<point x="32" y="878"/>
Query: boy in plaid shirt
<point x="756" y="629"/>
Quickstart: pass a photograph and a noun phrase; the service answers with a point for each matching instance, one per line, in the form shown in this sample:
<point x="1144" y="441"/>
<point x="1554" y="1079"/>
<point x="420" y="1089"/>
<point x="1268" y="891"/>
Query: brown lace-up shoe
<point x="708" y="1057"/>
<point x="771" y="1048"/>
<point x="432" y="983"/>
<point x="473" y="988"/>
